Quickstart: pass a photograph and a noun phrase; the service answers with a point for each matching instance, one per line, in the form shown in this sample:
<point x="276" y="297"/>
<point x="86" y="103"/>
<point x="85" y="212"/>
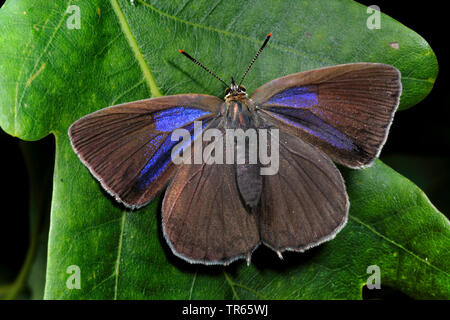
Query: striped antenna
<point x="187" y="55"/>
<point x="256" y="57"/>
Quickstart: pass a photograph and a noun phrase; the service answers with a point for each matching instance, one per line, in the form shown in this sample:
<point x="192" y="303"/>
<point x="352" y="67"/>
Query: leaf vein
<point x="119" y="254"/>
<point x="396" y="244"/>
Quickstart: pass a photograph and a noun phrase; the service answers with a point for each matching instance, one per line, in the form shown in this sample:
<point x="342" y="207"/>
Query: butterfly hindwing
<point x="305" y="203"/>
<point x="204" y="218"/>
<point x="345" y="110"/>
<point x="128" y="147"/>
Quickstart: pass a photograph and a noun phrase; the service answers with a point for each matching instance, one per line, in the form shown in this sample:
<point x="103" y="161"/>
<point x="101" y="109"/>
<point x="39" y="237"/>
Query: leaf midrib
<point x="148" y="76"/>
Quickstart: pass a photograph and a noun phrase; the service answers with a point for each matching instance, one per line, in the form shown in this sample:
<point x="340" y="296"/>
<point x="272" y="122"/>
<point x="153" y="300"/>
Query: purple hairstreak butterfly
<point x="216" y="213"/>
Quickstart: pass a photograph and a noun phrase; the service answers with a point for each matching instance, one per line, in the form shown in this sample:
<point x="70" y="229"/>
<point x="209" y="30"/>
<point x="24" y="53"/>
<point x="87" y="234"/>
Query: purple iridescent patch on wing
<point x="173" y="118"/>
<point x="312" y="124"/>
<point x="156" y="164"/>
<point x="162" y="157"/>
<point x="295" y="97"/>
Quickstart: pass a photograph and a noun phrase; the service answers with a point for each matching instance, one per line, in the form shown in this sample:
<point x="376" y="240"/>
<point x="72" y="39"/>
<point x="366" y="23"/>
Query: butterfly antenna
<point x="187" y="55"/>
<point x="256" y="57"/>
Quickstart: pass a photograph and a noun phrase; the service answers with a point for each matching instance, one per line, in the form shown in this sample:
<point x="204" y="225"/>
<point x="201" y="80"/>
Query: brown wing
<point x="204" y="220"/>
<point x="128" y="147"/>
<point x="304" y="204"/>
<point x="345" y="110"/>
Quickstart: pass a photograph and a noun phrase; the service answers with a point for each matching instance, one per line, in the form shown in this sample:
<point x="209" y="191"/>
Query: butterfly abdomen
<point x="249" y="181"/>
<point x="240" y="119"/>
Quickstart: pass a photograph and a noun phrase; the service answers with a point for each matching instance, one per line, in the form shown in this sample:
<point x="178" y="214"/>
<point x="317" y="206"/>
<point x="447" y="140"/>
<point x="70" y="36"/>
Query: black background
<point x="418" y="145"/>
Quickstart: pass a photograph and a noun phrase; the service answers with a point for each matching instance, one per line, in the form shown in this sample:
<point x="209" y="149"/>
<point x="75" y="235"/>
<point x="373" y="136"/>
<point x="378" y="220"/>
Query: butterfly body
<point x="238" y="112"/>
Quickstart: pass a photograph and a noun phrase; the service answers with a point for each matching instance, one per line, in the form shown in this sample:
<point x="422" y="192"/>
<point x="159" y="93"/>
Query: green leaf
<point x="51" y="75"/>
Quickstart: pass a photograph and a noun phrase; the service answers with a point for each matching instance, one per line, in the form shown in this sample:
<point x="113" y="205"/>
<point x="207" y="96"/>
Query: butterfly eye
<point x="227" y="91"/>
<point x="242" y="88"/>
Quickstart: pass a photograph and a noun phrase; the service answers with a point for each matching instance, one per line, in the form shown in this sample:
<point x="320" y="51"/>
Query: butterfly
<point x="218" y="213"/>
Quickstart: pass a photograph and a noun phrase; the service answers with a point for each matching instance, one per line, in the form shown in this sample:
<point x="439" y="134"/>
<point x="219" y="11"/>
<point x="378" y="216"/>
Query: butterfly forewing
<point x="304" y="204"/>
<point x="345" y="110"/>
<point x="128" y="147"/>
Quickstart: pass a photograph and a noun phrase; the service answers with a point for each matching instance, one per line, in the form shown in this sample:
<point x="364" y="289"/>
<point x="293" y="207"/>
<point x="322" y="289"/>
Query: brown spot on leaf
<point x="394" y="45"/>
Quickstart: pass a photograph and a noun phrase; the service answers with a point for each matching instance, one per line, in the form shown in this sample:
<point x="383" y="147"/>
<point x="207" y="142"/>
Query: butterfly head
<point x="235" y="91"/>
